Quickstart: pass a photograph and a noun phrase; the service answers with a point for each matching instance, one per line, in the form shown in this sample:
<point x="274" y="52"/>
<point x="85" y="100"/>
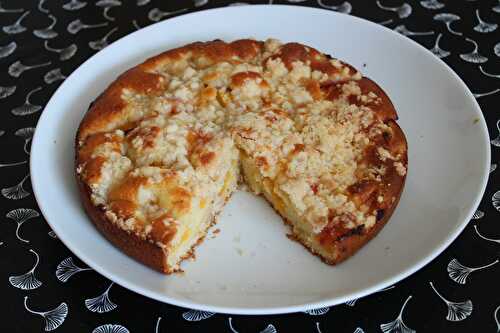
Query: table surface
<point x="42" y="43"/>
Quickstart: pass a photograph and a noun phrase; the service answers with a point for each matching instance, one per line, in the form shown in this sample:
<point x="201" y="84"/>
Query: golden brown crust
<point x="148" y="253"/>
<point x="344" y="242"/>
<point x="383" y="107"/>
<point x="293" y="52"/>
<point x="206" y="53"/>
<point x="109" y="107"/>
<point x="134" y="246"/>
<point x="347" y="244"/>
<point x="110" y="111"/>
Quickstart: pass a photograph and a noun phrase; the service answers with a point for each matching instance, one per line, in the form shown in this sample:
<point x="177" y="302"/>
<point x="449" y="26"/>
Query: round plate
<point x="251" y="267"/>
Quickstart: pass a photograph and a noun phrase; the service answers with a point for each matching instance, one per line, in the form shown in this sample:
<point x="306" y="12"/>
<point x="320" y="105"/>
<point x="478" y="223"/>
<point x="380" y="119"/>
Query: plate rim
<point x="327" y="302"/>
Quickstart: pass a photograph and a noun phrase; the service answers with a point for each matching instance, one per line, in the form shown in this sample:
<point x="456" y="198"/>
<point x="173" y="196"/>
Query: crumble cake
<point x="162" y="149"/>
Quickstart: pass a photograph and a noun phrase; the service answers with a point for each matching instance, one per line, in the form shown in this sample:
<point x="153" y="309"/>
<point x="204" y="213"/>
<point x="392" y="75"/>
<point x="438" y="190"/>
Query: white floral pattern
<point x="43" y="41"/>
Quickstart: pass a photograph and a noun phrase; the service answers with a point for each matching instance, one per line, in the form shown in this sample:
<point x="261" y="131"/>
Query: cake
<point x="162" y="149"/>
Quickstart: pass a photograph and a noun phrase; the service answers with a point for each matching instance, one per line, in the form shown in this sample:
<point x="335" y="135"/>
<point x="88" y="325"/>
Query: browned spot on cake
<point x="127" y="190"/>
<point x="238" y="79"/>
<point x="162" y="232"/>
<point x="206" y="158"/>
<point x="93" y="168"/>
<point x="147" y="134"/>
<point x="94" y="141"/>
<point x="123" y="208"/>
<point x="109" y="106"/>
<point x="181" y="199"/>
<point x="246" y="49"/>
<point x="333" y="91"/>
<point x="207" y="94"/>
<point x="292" y="52"/>
<point x="381" y="104"/>
<point x="337" y="228"/>
<point x="362" y="191"/>
<point x="314" y="89"/>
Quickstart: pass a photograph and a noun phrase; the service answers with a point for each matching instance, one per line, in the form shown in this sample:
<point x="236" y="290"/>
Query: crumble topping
<point x="301" y="118"/>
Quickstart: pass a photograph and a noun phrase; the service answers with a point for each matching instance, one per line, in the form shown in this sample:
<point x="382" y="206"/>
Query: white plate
<point x="251" y="267"/>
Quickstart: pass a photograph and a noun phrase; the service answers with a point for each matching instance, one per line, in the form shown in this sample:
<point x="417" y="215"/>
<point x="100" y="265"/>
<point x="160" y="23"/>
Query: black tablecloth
<point x="43" y="286"/>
